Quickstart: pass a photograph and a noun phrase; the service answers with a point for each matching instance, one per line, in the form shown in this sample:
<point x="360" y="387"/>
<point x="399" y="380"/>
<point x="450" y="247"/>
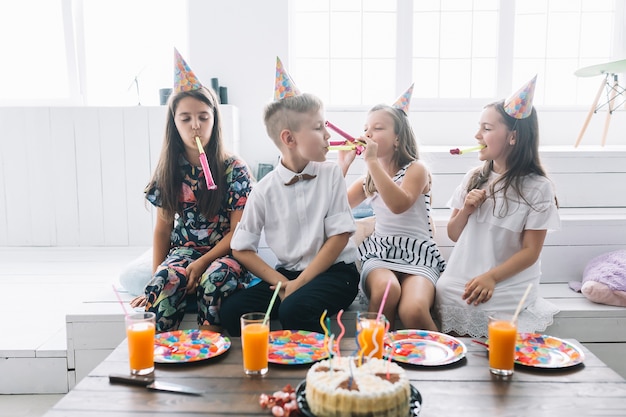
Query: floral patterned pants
<point x="166" y="296"/>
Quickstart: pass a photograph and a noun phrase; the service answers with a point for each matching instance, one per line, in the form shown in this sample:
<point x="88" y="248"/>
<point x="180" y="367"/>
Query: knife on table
<point x="150" y="383"/>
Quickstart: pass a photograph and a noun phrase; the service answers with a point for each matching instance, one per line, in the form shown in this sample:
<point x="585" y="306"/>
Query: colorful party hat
<point x="520" y="104"/>
<point x="184" y="78"/>
<point x="404" y="101"/>
<point x="284" y="87"/>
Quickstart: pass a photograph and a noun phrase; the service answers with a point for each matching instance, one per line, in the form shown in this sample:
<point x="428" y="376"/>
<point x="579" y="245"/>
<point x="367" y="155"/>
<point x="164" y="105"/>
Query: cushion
<point x="604" y="279"/>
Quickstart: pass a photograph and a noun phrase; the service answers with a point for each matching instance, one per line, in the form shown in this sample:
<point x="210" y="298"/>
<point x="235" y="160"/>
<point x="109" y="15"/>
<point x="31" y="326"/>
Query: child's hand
<point x="371" y="148"/>
<point x="345" y="159"/>
<point x="479" y="289"/>
<point x="474" y="199"/>
<point x="194" y="272"/>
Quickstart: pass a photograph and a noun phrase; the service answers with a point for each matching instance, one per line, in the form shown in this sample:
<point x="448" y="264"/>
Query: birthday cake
<point x="342" y="388"/>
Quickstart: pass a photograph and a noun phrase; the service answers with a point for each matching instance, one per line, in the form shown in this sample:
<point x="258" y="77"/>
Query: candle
<point x="343" y="331"/>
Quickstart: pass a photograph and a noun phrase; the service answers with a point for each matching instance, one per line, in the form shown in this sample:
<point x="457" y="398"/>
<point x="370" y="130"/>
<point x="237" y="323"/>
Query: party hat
<point x="284" y="87"/>
<point x="184" y="78"/>
<point x="520" y="104"/>
<point x="404" y="101"/>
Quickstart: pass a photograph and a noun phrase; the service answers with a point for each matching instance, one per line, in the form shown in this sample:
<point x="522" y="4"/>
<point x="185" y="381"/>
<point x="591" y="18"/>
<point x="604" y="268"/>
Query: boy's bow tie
<point x="303" y="177"/>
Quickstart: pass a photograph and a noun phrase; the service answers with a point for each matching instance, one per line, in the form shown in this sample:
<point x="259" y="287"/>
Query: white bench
<point x="590" y="189"/>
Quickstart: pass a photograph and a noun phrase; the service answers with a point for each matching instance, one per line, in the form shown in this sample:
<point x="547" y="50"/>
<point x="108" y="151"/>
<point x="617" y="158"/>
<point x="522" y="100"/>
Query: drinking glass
<point x="255" y="337"/>
<point x="140" y="330"/>
<point x="371" y="333"/>
<point x="502" y="339"/>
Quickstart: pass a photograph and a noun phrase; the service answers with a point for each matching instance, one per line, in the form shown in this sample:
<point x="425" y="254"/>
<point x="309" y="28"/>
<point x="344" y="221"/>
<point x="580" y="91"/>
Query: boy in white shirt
<point x="302" y="207"/>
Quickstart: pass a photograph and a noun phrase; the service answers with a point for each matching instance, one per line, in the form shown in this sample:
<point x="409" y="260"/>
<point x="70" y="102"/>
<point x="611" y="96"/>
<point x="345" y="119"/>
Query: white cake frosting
<point x="377" y="388"/>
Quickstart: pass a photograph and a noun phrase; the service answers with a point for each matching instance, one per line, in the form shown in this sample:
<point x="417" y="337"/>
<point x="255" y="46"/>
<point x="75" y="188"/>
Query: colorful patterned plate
<point x="425" y="348"/>
<point x="542" y="351"/>
<point x="296" y="347"/>
<point x="188" y="346"/>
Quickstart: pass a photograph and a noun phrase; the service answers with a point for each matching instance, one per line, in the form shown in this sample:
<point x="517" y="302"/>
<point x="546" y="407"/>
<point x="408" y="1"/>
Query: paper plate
<point x="415" y="405"/>
<point x="296" y="347"/>
<point x="190" y="345"/>
<point x="425" y="348"/>
<point x="542" y="351"/>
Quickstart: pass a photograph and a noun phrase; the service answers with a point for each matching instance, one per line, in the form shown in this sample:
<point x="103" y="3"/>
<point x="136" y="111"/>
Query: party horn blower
<point x="339" y="131"/>
<point x="210" y="184"/>
<point x="457" y="151"/>
<point x="349" y="145"/>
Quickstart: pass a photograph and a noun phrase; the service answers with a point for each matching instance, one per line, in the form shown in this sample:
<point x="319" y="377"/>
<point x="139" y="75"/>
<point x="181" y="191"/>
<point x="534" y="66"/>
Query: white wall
<point x="240" y="44"/>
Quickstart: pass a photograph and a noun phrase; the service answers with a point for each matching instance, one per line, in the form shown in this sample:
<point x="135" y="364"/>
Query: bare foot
<point x="139" y="301"/>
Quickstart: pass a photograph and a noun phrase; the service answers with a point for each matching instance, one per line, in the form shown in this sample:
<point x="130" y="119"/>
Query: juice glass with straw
<point x="140" y="330"/>
<point x="255" y="339"/>
<point x="502" y="330"/>
<point x="255" y="335"/>
<point x="370" y="330"/>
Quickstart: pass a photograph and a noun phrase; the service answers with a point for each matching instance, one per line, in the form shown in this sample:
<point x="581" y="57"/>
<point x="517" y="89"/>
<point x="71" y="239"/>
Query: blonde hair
<point x="284" y="114"/>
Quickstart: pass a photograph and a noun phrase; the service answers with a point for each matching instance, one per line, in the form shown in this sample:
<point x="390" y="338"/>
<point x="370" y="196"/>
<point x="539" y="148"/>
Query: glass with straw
<point x="255" y="335"/>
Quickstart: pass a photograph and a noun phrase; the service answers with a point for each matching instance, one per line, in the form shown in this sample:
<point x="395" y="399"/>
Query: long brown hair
<point x="167" y="176"/>
<point x="407" y="144"/>
<point x="522" y="160"/>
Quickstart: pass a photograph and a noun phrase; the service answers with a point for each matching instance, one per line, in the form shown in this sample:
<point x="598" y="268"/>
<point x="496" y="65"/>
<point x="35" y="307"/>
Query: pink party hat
<point x="284" y="87"/>
<point x="404" y="101"/>
<point x="184" y="78"/>
<point x="520" y="104"/>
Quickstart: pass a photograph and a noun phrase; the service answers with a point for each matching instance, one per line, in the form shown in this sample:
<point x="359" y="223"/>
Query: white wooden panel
<point x="137" y="151"/>
<point x="4" y="155"/>
<point x="40" y="183"/>
<point x="157" y="119"/>
<point x="89" y="177"/>
<point x="33" y="376"/>
<point x="113" y="159"/>
<point x="62" y="164"/>
<point x="18" y="173"/>
<point x="602" y="189"/>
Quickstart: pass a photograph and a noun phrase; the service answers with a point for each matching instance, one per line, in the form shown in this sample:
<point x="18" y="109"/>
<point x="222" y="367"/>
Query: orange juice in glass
<point x="502" y="339"/>
<point x="370" y="334"/>
<point x="255" y="336"/>
<point x="140" y="329"/>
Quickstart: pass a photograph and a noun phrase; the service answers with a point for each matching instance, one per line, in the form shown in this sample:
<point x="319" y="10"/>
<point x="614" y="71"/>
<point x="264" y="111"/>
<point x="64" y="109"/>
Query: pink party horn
<point x="210" y="184"/>
<point x="339" y="131"/>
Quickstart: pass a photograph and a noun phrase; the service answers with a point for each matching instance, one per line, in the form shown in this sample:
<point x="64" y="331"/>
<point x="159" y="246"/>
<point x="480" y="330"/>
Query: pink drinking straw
<point x="382" y="303"/>
<point x="119" y="299"/>
<point x="210" y="184"/>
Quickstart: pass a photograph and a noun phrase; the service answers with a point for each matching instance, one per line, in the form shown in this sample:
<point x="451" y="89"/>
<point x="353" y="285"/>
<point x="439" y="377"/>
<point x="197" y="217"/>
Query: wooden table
<point x="463" y="389"/>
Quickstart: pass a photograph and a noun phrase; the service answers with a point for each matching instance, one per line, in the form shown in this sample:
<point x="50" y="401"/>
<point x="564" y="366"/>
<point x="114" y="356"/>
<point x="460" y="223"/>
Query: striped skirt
<point x="401" y="254"/>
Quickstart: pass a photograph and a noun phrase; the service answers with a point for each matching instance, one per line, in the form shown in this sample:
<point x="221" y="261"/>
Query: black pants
<point x="332" y="290"/>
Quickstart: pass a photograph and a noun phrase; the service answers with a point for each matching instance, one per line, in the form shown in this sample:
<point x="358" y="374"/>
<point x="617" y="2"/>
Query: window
<point x="368" y="51"/>
<point x="113" y="52"/>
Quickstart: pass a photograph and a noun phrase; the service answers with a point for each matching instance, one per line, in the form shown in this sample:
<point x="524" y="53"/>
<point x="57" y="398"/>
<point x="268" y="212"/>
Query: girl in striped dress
<point x="401" y="248"/>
